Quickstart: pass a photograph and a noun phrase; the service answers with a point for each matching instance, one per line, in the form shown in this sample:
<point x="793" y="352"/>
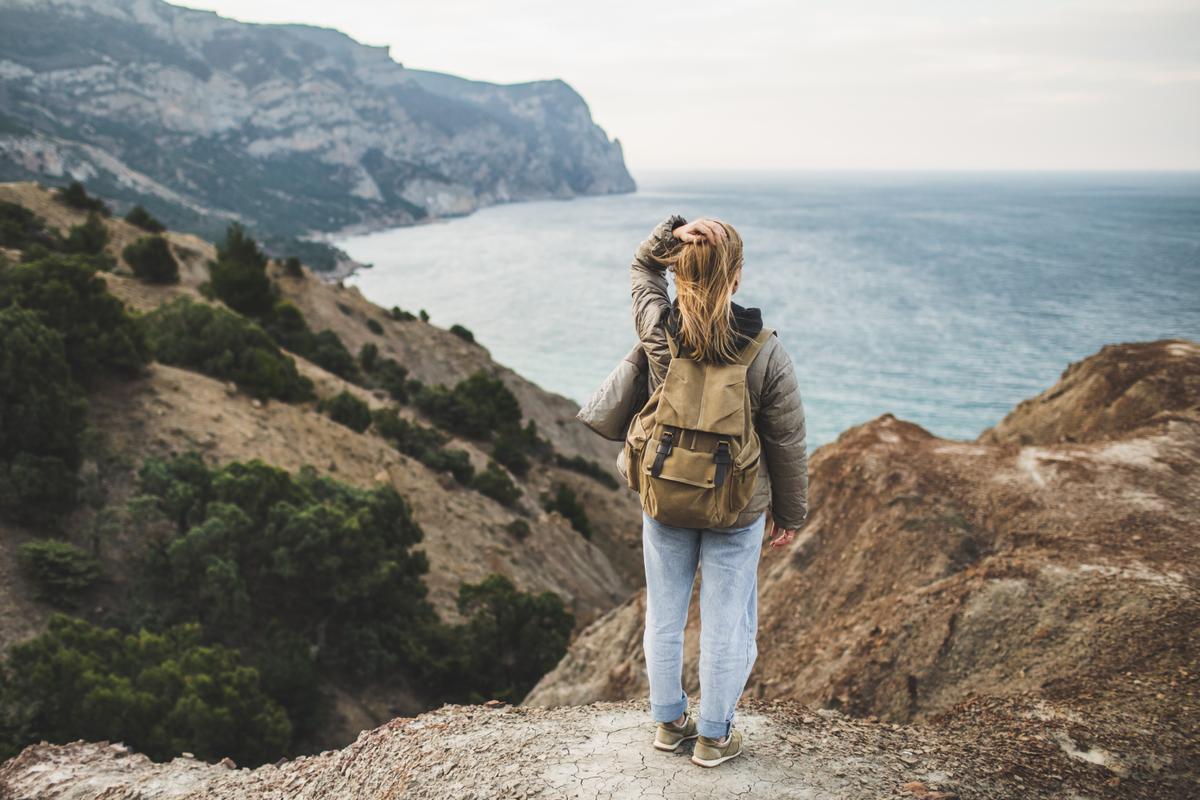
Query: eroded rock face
<point x="933" y="571"/>
<point x="1003" y="749"/>
<point x="288" y="127"/>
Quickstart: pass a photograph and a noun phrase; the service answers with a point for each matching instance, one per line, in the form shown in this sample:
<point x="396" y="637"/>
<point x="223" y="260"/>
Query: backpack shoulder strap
<point x="747" y="356"/>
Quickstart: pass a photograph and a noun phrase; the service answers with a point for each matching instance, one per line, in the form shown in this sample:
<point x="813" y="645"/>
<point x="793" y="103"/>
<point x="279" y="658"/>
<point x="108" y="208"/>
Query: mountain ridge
<point x="298" y="131"/>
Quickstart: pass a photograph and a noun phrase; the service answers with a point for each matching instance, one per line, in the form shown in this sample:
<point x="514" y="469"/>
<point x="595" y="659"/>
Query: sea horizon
<point x="843" y="263"/>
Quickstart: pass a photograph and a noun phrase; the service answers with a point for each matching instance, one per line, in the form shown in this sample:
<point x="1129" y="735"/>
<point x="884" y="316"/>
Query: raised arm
<point x="647" y="276"/>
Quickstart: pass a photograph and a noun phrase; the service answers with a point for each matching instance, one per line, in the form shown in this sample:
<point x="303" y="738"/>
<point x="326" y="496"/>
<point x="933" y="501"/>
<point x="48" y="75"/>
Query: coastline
<point x="347" y="267"/>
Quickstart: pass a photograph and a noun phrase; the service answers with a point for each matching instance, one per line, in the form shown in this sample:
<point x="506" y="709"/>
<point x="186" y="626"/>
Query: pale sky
<point x="841" y="84"/>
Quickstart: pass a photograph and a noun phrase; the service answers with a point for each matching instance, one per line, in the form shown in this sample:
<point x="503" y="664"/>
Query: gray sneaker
<point x="669" y="735"/>
<point x="710" y="753"/>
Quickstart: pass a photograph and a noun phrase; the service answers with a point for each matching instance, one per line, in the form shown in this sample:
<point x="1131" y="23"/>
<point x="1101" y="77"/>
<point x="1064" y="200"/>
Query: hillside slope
<point x="934" y="571"/>
<point x="291" y="129"/>
<point x="467" y="537"/>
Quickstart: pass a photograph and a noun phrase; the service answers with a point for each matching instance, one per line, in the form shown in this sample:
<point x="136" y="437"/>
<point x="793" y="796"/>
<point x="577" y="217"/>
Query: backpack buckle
<point x="724" y="460"/>
<point x="665" y="445"/>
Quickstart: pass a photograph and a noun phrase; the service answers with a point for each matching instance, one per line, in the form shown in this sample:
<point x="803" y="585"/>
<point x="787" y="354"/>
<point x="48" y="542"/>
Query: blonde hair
<point x="705" y="277"/>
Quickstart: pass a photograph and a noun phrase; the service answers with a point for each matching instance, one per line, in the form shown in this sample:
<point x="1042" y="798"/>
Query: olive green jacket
<point x="774" y="395"/>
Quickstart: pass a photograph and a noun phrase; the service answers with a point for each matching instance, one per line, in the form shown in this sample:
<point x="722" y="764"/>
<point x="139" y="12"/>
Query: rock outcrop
<point x="1003" y="749"/>
<point x="289" y="128"/>
<point x="933" y="572"/>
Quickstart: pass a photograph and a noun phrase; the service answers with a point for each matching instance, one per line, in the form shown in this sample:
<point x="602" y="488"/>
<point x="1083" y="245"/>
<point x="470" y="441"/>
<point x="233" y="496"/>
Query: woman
<point x="706" y="259"/>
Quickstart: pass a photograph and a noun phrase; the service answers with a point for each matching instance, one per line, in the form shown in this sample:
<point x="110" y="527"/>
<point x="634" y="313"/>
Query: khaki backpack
<point x="692" y="451"/>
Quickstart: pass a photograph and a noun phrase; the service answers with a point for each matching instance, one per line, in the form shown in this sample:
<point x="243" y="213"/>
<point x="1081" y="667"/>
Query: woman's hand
<point x="702" y="229"/>
<point x="779" y="536"/>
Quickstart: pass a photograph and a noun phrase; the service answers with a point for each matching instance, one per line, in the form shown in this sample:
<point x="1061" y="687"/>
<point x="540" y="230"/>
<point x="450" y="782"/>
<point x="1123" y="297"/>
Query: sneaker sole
<point x="671" y="748"/>
<point x="713" y="762"/>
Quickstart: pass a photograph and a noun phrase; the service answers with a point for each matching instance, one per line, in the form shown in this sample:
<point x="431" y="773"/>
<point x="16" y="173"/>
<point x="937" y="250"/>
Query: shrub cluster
<point x="564" y="501"/>
<point x="476" y="407"/>
<point x="494" y="482"/>
<point x="143" y="219"/>
<point x="346" y="409"/>
<point x="151" y="259"/>
<point x="386" y="374"/>
<point x="89" y="238"/>
<point x="75" y="196"/>
<point x="462" y="333"/>
<point x="42" y="417"/>
<point x="587" y="467"/>
<point x="68" y="296"/>
<point x="20" y="229"/>
<point x="216" y="342"/>
<point x="160" y="693"/>
<point x="426" y="445"/>
<point x="287" y="326"/>
<point x="239" y="275"/>
<point x="61" y="570"/>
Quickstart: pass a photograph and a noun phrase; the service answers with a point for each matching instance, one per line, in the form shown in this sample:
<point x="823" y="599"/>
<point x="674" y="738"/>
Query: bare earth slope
<point x="604" y="751"/>
<point x="933" y="572"/>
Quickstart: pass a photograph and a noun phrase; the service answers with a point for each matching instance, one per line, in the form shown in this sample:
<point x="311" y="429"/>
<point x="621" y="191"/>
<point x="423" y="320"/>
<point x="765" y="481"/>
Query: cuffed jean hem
<point x="671" y="711"/>
<point x="713" y="730"/>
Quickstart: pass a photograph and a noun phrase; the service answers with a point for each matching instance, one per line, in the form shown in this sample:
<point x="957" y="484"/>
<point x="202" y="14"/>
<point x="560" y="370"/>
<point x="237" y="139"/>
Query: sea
<point x="941" y="298"/>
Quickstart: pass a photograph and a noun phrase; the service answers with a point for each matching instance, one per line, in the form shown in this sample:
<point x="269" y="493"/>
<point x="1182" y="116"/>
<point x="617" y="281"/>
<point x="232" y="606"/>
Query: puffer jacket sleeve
<point x="782" y="434"/>
<point x="651" y="303"/>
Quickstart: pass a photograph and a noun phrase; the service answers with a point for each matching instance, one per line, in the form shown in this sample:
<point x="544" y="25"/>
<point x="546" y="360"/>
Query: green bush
<point x="293" y="267"/>
<point x="494" y="482"/>
<point x="566" y="503"/>
<point x="400" y="315"/>
<point x="368" y="357"/>
<point x="239" y="275"/>
<point x="586" y="467"/>
<point x="89" y="238"/>
<point x="75" y="196"/>
<point x="424" y="315"/>
<point x="151" y="259"/>
<point x="426" y="445"/>
<point x="509" y="641"/>
<point x="519" y="529"/>
<point x="160" y="693"/>
<point x="393" y="379"/>
<point x="20" y="229"/>
<point x="254" y="544"/>
<point x="462" y="333"/>
<point x="346" y="409"/>
<point x="223" y="345"/>
<point x="143" y="219"/>
<point x="514" y="446"/>
<point x="374" y="327"/>
<point x="61" y="570"/>
<point x="42" y="418"/>
<point x="287" y="326"/>
<point x="476" y="407"/>
<point x="68" y="296"/>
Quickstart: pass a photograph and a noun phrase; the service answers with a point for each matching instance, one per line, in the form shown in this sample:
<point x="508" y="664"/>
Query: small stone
<point x="256" y="403"/>
<point x="227" y="763"/>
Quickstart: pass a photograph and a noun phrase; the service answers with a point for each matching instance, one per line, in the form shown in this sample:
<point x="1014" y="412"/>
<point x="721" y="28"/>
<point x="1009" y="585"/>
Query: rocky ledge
<point x="998" y="749"/>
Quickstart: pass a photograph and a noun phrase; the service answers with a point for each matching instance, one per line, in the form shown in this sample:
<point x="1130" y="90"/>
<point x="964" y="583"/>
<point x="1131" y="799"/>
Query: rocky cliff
<point x="1057" y="558"/>
<point x="291" y="129"/>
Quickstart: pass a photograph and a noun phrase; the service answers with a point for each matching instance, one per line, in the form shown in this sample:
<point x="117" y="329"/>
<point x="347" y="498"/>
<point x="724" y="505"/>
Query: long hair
<point x="705" y="276"/>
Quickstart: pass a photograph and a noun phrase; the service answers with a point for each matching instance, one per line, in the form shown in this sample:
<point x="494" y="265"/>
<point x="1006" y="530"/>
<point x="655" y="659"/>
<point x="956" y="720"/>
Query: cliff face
<point x="289" y="128"/>
<point x="933" y="571"/>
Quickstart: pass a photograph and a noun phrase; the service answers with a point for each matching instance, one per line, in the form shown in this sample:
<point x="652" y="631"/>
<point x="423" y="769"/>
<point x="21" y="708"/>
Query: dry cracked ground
<point x="604" y="751"/>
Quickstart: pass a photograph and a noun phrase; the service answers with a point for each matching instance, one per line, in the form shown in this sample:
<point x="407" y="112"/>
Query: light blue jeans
<point x="728" y="561"/>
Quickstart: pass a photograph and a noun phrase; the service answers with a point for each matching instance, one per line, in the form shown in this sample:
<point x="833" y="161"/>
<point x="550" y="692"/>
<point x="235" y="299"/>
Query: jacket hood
<point x="746" y="321"/>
